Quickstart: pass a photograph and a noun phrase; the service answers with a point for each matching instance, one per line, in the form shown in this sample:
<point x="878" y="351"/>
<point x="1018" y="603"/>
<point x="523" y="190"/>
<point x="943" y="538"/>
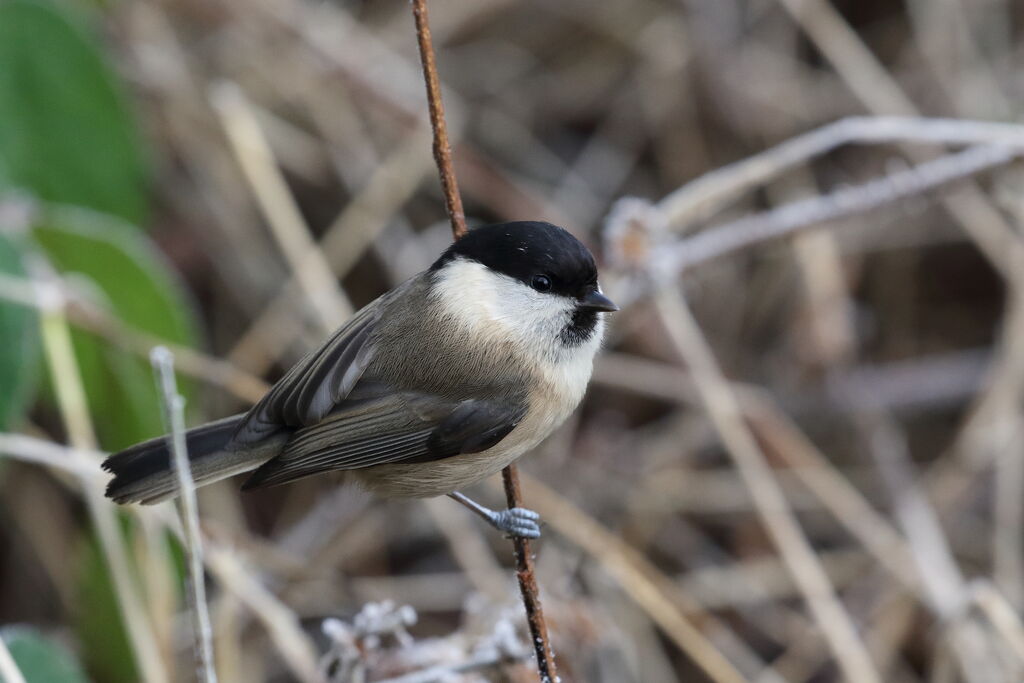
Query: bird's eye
<point x="542" y="283"/>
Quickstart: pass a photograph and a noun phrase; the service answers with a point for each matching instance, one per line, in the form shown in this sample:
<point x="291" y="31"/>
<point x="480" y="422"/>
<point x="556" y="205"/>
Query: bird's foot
<point x="516" y="522"/>
<point x="520" y="522"/>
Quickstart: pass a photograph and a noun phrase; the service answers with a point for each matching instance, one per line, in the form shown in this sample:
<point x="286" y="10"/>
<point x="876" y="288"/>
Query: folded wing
<point x="317" y="383"/>
<point x="394" y="428"/>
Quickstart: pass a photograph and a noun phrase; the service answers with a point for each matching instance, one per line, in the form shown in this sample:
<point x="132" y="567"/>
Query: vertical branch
<point x="174" y="415"/>
<point x="442" y="149"/>
<point x="528" y="586"/>
<point x="453" y="204"/>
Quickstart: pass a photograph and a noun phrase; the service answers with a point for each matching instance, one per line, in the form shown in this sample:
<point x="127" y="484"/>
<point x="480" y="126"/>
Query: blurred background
<point x="800" y="457"/>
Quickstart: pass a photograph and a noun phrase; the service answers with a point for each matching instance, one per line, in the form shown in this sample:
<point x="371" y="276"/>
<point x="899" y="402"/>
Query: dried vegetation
<point x="801" y="456"/>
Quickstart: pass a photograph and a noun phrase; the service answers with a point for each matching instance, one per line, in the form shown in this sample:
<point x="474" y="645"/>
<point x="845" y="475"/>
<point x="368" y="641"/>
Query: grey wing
<point x="397" y="428"/>
<point x="317" y="383"/>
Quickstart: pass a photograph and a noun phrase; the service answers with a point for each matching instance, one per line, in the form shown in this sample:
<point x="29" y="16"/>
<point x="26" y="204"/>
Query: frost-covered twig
<point x="844" y="202"/>
<point x="174" y="417"/>
<point x="357" y="645"/>
<point x="345" y="660"/>
<point x="638" y="233"/>
<point x="710" y="191"/>
<point x="480" y="660"/>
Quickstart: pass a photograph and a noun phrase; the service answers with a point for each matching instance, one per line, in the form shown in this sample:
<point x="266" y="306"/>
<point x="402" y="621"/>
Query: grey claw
<point x="517" y="522"/>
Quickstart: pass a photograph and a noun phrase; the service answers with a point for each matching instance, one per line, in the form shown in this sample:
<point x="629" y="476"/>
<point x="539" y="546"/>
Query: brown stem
<point x="453" y="204"/>
<point x="442" y="150"/>
<point x="528" y="586"/>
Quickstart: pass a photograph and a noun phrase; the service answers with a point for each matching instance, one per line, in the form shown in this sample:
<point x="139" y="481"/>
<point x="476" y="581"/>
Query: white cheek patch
<point x="468" y="293"/>
<point x="489" y="303"/>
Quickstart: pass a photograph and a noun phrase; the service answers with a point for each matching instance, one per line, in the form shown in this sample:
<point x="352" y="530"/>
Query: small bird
<point x="430" y="388"/>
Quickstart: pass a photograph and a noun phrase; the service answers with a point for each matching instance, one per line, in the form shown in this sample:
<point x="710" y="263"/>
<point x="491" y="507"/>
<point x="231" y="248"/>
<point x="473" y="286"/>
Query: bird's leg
<point x="514" y="522"/>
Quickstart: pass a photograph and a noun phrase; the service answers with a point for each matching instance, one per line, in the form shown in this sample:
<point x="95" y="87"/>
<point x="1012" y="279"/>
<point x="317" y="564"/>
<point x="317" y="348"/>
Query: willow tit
<point x="432" y="387"/>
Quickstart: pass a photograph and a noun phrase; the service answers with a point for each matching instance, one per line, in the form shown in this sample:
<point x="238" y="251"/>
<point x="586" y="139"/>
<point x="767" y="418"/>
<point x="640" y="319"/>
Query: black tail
<point x="143" y="472"/>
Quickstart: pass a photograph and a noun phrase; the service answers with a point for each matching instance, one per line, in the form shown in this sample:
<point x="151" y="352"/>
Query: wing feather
<point x="317" y="383"/>
<point x="399" y="427"/>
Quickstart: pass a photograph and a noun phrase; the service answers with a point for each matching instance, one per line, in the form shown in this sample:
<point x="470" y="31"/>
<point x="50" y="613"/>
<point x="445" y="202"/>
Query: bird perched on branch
<point x="430" y="388"/>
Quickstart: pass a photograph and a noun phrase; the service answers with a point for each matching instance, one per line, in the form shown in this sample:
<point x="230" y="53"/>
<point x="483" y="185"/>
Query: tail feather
<point x="143" y="473"/>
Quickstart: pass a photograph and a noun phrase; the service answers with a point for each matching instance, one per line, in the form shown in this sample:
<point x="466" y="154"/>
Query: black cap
<point x="525" y="250"/>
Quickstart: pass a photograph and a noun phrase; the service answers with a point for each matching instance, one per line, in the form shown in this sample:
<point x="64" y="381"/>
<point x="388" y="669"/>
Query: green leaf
<point x="19" y="344"/>
<point x="124" y="269"/>
<point x="65" y="133"/>
<point x="40" y="659"/>
<point x="106" y="650"/>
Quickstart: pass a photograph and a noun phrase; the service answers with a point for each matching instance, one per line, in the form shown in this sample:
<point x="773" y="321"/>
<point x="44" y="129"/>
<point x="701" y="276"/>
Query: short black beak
<point x="596" y="301"/>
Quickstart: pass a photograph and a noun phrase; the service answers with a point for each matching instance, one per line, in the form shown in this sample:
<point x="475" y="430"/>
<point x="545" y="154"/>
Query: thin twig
<point x="85" y="313"/>
<point x="848" y="201"/>
<point x="453" y="204"/>
<point x="941" y="577"/>
<point x="528" y="585"/>
<point x="712" y="190"/>
<point x="882" y="94"/>
<point x="174" y="415"/>
<point x="442" y="149"/>
<point x="85" y="465"/>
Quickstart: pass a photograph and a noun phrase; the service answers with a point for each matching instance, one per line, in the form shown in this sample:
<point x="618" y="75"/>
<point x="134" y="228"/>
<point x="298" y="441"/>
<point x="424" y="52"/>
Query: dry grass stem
<point x="297" y="650"/>
<point x="469" y="549"/>
<point x="835" y="492"/>
<point x="307" y="262"/>
<point x="1008" y="514"/>
<point x="345" y="241"/>
<point x="836" y="187"/>
<point x="67" y="382"/>
<point x="1003" y="617"/>
<point x="725" y="412"/>
<point x="940" y="575"/>
<point x="648" y="587"/>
